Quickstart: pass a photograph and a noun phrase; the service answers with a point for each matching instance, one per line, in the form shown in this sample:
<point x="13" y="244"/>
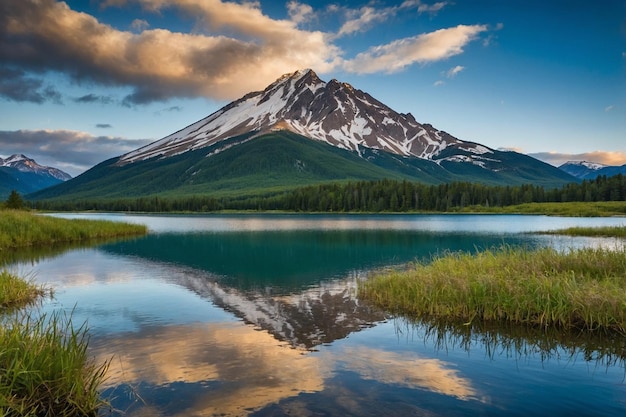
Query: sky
<point x="82" y="81"/>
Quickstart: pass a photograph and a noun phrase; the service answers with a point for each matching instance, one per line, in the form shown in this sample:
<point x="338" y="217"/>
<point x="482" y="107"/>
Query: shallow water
<point x="258" y="315"/>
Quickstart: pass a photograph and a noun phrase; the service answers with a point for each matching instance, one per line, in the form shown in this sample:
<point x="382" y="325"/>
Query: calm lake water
<point x="258" y="315"/>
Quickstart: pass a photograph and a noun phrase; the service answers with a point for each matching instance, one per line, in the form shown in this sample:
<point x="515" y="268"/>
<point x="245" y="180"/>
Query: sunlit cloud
<point x="425" y="48"/>
<point x="409" y="371"/>
<point x="230" y="41"/>
<point x="438" y="83"/>
<point x="252" y="368"/>
<point x="70" y="151"/>
<point x="159" y="64"/>
<point x="609" y="108"/>
<point x="614" y="158"/>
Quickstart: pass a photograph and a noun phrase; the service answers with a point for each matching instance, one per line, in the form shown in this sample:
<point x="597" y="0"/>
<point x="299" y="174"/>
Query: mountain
<point x="24" y="175"/>
<point x="301" y="130"/>
<point x="590" y="170"/>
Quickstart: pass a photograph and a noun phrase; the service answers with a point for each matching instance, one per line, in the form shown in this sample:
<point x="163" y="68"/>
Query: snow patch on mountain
<point x="589" y="165"/>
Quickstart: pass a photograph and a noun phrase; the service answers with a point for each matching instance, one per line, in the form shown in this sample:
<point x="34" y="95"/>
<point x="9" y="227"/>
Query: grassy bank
<point x="568" y="209"/>
<point x="45" y="369"/>
<point x="607" y="231"/>
<point x="16" y="292"/>
<point x="22" y="229"/>
<point x="44" y="366"/>
<point x="581" y="289"/>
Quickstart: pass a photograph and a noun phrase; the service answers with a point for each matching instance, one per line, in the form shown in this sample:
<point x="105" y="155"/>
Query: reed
<point x="24" y="229"/>
<point x="45" y="369"/>
<point x="16" y="291"/>
<point x="578" y="289"/>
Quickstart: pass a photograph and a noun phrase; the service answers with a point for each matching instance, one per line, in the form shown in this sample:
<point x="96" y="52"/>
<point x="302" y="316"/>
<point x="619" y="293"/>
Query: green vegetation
<point x="22" y="229"/>
<point x="15" y="201"/>
<point x="569" y="209"/>
<point x="600" y="197"/>
<point x="607" y="231"/>
<point x="579" y="289"/>
<point x="283" y="161"/>
<point x="45" y="369"/>
<point x="15" y="291"/>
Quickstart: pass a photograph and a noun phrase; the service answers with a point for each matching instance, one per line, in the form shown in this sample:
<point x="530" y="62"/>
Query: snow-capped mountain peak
<point x="589" y="165"/>
<point x="334" y="112"/>
<point x="25" y="164"/>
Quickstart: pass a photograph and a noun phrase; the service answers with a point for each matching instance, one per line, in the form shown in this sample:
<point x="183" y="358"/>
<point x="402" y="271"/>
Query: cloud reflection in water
<point x="253" y="368"/>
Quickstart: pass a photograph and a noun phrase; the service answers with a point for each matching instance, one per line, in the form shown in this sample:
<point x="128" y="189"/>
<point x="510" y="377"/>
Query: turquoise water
<point x="258" y="315"/>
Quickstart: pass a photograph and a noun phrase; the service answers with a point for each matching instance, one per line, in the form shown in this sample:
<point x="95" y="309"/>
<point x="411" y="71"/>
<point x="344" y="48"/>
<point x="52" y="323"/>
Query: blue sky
<point x="84" y="81"/>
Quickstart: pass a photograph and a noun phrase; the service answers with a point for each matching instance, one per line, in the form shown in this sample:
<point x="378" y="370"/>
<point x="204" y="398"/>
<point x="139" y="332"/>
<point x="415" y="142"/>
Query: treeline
<point x="367" y="196"/>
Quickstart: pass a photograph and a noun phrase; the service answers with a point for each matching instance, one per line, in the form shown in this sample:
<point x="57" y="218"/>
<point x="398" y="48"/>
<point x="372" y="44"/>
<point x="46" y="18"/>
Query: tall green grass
<point x="580" y="289"/>
<point x="570" y="209"/>
<point x="606" y="231"/>
<point x="23" y="229"/>
<point x="16" y="291"/>
<point x="45" y="369"/>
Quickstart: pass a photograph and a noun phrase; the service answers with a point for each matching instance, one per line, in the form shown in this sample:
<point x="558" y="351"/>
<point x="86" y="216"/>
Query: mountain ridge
<point x="24" y="175"/>
<point x="585" y="170"/>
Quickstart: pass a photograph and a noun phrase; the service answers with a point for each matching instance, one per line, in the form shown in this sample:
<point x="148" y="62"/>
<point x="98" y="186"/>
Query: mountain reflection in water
<point x="267" y="322"/>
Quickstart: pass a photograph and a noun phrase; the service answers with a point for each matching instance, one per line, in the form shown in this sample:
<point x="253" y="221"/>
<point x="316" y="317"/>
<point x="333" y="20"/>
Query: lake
<point x="259" y="315"/>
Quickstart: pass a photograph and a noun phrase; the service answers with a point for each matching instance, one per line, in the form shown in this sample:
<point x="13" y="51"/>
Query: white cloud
<point x="439" y="83"/>
<point x="362" y="19"/>
<point x="454" y="71"/>
<point x="139" y="25"/>
<point x="429" y="47"/>
<point x="365" y="17"/>
<point x="609" y="108"/>
<point x="432" y="8"/>
<point x="299" y="12"/>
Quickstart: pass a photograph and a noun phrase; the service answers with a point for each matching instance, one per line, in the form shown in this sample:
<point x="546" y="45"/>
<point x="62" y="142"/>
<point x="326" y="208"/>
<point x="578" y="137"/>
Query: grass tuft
<point x="580" y="289"/>
<point x="45" y="369"/>
<point x="17" y="292"/>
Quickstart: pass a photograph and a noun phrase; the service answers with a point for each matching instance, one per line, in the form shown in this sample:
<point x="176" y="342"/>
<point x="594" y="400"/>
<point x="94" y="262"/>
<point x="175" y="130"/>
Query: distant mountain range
<point x="298" y="131"/>
<point x="590" y="170"/>
<point x="24" y="175"/>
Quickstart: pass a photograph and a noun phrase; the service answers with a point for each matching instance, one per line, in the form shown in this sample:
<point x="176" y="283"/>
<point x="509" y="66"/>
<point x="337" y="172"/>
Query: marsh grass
<point x="24" y="229"/>
<point x="570" y="209"/>
<point x="45" y="369"/>
<point x="16" y="291"/>
<point x="606" y="231"/>
<point x="579" y="289"/>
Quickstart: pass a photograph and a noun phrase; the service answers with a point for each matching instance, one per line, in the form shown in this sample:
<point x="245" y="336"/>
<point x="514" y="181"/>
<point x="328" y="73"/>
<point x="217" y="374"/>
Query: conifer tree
<point x="14" y="201"/>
